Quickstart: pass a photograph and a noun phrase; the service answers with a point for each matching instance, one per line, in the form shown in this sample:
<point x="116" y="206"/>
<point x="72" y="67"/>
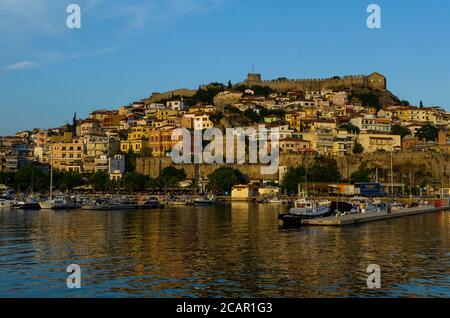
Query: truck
<point x="369" y="189"/>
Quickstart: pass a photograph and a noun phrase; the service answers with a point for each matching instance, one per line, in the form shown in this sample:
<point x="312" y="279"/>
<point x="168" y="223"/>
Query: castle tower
<point x="377" y="81"/>
<point x="253" y="78"/>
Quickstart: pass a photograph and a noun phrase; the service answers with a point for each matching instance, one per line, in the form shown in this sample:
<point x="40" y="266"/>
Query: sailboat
<point x="61" y="202"/>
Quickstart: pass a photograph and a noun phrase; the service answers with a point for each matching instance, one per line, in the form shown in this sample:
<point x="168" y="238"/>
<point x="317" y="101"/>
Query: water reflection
<point x="236" y="250"/>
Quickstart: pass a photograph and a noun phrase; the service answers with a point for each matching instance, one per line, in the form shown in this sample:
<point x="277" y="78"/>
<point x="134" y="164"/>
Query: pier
<point x="356" y="219"/>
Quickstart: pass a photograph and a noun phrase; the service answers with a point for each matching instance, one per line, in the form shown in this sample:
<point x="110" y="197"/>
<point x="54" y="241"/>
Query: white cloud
<point x="19" y="66"/>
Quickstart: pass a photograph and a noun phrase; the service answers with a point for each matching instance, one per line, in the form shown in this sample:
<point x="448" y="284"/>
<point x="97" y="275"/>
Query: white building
<point x="177" y="105"/>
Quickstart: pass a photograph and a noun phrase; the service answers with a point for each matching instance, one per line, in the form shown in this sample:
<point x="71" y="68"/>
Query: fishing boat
<point x="305" y="209"/>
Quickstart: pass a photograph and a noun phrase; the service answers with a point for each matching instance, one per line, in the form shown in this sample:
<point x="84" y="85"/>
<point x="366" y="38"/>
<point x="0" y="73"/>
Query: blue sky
<point x="128" y="49"/>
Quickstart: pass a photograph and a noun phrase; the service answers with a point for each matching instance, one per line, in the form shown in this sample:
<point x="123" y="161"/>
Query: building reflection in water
<point x="234" y="250"/>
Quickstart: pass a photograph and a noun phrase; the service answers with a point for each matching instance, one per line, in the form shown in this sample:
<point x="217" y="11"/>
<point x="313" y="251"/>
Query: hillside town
<point x="325" y="122"/>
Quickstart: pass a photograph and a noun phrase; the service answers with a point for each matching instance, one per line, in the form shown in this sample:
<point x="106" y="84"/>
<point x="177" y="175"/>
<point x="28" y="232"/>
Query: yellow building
<point x="244" y="192"/>
<point x="68" y="156"/>
<point x="133" y="145"/>
<point x="293" y="118"/>
<point x="311" y="112"/>
<point x="160" y="140"/>
<point x="379" y="142"/>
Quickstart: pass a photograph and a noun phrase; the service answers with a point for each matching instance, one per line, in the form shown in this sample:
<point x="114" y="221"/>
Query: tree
<point x="368" y="99"/>
<point x="360" y="176"/>
<point x="405" y="103"/>
<point x="358" y="148"/>
<point x="421" y="104"/>
<point x="171" y="176"/>
<point x="400" y="130"/>
<point x="323" y="170"/>
<point x="292" y="178"/>
<point x="31" y="178"/>
<point x="68" y="180"/>
<point x="252" y="116"/>
<point x="135" y="182"/>
<point x="223" y="179"/>
<point x="350" y="128"/>
<point x="230" y="86"/>
<point x="130" y="161"/>
<point x="99" y="181"/>
<point x="428" y="132"/>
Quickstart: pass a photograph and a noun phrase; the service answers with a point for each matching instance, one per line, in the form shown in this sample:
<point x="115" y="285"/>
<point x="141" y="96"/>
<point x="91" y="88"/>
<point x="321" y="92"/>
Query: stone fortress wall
<point x="374" y="81"/>
<point x="435" y="165"/>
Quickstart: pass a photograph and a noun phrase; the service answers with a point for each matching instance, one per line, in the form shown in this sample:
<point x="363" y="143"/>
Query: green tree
<point x="31" y="178"/>
<point x="400" y="130"/>
<point x="360" y="176"/>
<point x="171" y="176"/>
<point x="293" y="177"/>
<point x="68" y="180"/>
<point x="130" y="161"/>
<point x="405" y="103"/>
<point x="358" y="148"/>
<point x="350" y="128"/>
<point x="323" y="170"/>
<point x="252" y="116"/>
<point x="99" y="181"/>
<point x="223" y="179"/>
<point x="368" y="99"/>
<point x="135" y="182"/>
<point x="428" y="132"/>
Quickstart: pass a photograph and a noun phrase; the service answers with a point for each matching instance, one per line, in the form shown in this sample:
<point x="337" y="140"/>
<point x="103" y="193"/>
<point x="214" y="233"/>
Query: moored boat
<point x="26" y="205"/>
<point x="206" y="201"/>
<point x="304" y="209"/>
<point x="59" y="203"/>
<point x="5" y="203"/>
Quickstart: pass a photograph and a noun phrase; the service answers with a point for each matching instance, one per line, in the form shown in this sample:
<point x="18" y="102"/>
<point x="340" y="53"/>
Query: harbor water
<point x="232" y="250"/>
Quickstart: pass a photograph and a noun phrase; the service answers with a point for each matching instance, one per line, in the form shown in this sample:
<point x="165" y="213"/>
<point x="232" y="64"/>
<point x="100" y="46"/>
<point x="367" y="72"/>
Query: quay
<point x="371" y="217"/>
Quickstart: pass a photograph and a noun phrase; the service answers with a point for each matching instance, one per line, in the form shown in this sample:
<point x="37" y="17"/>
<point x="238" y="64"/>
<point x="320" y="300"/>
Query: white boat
<point x="5" y="203"/>
<point x="205" y="201"/>
<point x="305" y="209"/>
<point x="309" y="209"/>
<point x="179" y="201"/>
<point x="276" y="200"/>
<point x="59" y="203"/>
<point x="364" y="205"/>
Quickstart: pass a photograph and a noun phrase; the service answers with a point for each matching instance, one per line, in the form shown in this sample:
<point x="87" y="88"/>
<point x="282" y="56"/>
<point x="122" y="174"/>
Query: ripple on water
<point x="235" y="250"/>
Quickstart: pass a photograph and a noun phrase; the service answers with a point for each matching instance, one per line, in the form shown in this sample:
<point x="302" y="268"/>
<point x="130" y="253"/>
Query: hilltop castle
<point x="374" y="81"/>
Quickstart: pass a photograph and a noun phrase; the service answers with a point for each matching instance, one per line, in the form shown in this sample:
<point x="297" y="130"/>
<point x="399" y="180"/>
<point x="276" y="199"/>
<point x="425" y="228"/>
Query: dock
<point x="355" y="219"/>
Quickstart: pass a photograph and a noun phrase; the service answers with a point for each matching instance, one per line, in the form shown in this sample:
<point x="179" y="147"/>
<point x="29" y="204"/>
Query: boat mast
<point x="51" y="172"/>
<point x="392" y="173"/>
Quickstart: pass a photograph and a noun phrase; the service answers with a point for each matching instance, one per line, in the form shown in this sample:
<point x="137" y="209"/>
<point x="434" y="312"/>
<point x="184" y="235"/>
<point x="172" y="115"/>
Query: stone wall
<point x="335" y="83"/>
<point x="157" y="97"/>
<point x="422" y="165"/>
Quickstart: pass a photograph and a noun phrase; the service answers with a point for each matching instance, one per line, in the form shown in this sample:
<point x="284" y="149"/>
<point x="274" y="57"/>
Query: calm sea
<point x="235" y="250"/>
